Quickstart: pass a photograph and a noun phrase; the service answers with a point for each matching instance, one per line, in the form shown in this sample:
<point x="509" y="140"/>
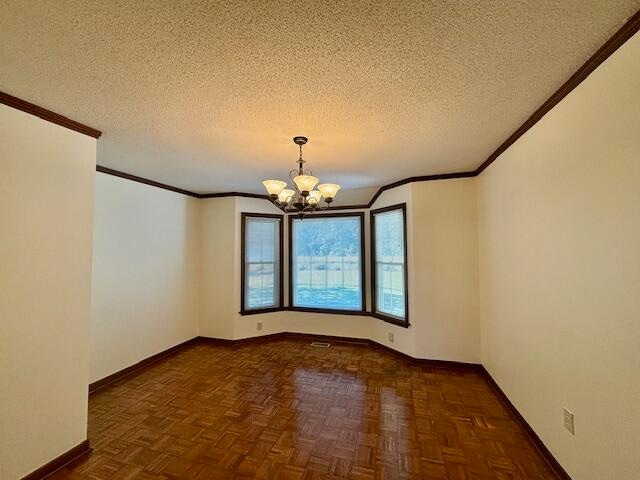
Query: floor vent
<point x="320" y="344"/>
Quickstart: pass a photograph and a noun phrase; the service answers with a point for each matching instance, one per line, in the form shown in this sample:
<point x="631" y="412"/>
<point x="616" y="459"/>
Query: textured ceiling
<point x="207" y="95"/>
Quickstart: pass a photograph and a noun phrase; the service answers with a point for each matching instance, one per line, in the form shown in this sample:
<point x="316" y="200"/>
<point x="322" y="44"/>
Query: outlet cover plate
<point x="569" y="420"/>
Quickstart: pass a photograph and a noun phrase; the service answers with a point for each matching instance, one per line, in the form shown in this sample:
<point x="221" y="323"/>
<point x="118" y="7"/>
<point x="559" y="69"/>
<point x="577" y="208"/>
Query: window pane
<point x="261" y="290"/>
<point x="390" y="293"/>
<point x="262" y="259"/>
<point x="327" y="263"/>
<point x="390" y="263"/>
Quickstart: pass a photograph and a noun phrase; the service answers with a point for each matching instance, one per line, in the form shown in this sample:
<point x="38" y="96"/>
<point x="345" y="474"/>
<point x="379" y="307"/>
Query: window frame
<point x="402" y="322"/>
<point x="363" y="277"/>
<point x="280" y="281"/>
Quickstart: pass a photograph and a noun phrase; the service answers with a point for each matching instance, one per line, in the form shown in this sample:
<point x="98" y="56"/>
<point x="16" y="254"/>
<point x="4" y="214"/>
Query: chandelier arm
<point x="275" y="202"/>
<point x="300" y="201"/>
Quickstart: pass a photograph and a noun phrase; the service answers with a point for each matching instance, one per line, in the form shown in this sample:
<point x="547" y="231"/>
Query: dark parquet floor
<point x="287" y="410"/>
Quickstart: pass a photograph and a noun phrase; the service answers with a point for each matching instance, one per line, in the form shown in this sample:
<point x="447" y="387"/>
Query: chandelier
<point x="302" y="198"/>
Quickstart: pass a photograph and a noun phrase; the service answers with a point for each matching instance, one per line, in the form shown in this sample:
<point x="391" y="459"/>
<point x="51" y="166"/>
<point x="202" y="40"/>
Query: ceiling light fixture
<point x="302" y="198"/>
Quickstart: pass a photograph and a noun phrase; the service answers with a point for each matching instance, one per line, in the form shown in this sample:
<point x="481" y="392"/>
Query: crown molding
<point x="423" y="178"/>
<point x="164" y="186"/>
<point x="47" y="115"/>
<point x="628" y="30"/>
<point x="364" y="206"/>
<point x="233" y="194"/>
<point x="146" y="181"/>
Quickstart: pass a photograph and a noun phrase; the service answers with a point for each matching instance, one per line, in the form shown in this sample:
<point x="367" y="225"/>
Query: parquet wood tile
<point x="285" y="410"/>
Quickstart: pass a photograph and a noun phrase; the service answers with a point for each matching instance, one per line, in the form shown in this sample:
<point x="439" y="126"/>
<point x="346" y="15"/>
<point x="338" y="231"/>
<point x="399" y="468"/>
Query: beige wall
<point x="46" y="224"/>
<point x="145" y="273"/>
<point x="443" y="304"/>
<point x="143" y="310"/>
<point x="445" y="270"/>
<point x="217" y="267"/>
<point x="560" y="272"/>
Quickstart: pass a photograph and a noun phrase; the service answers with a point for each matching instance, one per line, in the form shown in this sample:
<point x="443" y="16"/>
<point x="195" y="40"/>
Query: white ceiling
<point x="207" y="95"/>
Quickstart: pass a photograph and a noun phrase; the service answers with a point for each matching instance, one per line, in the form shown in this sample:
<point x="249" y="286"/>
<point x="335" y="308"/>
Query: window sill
<point x="389" y="319"/>
<point x="330" y="310"/>
<point x="262" y="310"/>
<point x="359" y="313"/>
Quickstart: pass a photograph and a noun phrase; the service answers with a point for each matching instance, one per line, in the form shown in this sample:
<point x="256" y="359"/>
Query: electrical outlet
<point x="259" y="326"/>
<point x="569" y="421"/>
<point x="391" y="337"/>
